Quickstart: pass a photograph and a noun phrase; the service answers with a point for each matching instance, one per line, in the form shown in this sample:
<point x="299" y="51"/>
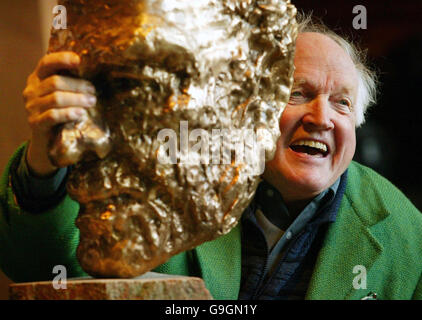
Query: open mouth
<point x="311" y="147"/>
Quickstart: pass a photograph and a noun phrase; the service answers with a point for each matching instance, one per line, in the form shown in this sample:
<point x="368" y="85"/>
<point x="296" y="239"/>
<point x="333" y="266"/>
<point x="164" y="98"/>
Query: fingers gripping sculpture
<point x="215" y="64"/>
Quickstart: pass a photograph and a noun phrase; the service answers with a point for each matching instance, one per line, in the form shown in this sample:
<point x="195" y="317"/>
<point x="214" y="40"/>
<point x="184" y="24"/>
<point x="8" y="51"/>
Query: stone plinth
<point x="151" y="286"/>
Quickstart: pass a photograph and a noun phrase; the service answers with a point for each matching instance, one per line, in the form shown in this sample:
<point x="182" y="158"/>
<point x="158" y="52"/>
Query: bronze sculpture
<point x="212" y="64"/>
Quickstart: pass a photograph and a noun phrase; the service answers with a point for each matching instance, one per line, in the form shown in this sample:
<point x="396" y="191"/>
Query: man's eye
<point x="296" y="97"/>
<point x="296" y="94"/>
<point x="345" y="102"/>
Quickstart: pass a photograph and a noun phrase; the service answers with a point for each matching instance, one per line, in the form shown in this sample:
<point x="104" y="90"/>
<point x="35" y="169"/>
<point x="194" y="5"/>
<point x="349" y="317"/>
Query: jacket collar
<point x="349" y="242"/>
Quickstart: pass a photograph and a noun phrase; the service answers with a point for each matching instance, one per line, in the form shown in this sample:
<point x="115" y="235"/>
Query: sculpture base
<point x="150" y="286"/>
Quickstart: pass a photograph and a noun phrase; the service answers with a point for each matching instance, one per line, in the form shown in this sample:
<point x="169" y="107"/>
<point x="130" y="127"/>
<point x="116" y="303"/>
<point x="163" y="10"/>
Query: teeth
<point x="314" y="144"/>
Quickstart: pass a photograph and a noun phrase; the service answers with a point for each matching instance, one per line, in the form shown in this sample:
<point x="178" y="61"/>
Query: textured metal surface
<point x="216" y="64"/>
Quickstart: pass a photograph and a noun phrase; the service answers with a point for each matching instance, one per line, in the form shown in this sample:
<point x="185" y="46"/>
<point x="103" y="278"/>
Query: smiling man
<point x="318" y="126"/>
<point x="319" y="217"/>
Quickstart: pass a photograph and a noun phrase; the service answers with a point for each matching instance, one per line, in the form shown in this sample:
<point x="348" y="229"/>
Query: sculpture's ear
<point x="272" y="44"/>
<point x="275" y="82"/>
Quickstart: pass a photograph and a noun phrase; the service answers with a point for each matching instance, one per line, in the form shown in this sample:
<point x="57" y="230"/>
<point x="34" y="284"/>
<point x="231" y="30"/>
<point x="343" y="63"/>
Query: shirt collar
<point x="271" y="203"/>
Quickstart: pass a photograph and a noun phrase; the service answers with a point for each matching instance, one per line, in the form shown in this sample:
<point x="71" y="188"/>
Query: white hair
<point x="367" y="87"/>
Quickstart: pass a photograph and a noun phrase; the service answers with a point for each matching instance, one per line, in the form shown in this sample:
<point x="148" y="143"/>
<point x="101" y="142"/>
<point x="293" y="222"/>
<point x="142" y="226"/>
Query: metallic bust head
<point x="217" y="68"/>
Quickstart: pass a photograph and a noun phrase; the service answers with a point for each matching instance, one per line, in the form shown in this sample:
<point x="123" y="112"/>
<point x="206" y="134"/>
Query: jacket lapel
<point x="220" y="263"/>
<point x="348" y="243"/>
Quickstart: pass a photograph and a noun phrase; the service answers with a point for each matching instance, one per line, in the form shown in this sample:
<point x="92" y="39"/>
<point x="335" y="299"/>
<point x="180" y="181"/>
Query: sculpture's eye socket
<point x="102" y="85"/>
<point x="120" y="84"/>
<point x="117" y="86"/>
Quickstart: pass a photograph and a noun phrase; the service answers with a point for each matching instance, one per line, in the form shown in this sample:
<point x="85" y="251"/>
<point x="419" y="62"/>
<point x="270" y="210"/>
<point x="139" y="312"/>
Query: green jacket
<point x="377" y="227"/>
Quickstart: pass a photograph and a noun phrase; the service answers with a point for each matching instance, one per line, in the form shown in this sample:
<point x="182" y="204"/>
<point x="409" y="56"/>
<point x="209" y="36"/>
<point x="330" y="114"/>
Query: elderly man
<point x="325" y="217"/>
<point x="319" y="227"/>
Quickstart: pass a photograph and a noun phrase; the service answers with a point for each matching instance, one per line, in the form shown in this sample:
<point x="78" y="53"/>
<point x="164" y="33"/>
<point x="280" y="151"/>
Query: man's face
<point x="317" y="140"/>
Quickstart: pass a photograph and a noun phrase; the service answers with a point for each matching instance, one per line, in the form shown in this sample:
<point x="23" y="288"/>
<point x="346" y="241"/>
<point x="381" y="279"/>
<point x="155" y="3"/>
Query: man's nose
<point x="318" y="115"/>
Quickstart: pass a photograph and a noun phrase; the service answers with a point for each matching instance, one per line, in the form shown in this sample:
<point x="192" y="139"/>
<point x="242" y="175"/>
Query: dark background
<point x="388" y="142"/>
<point x="390" y="139"/>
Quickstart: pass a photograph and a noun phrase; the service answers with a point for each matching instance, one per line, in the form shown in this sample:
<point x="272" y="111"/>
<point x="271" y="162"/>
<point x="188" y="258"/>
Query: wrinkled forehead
<point x="319" y="57"/>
